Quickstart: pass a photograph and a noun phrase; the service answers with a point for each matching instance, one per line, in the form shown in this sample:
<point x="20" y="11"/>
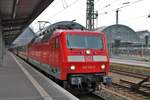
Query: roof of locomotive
<point x="67" y="25"/>
<point x="62" y="25"/>
<point x="58" y="32"/>
<point x="59" y="27"/>
<point x="76" y="30"/>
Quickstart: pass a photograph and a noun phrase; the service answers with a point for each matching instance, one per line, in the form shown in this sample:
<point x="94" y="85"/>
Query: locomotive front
<point x="86" y="60"/>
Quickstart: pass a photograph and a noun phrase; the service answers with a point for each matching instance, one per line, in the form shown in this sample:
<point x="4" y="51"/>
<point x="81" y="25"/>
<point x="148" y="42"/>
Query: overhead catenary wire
<point x="57" y="13"/>
<point x="107" y="5"/>
<point x="114" y="1"/>
<point x="134" y="2"/>
<point x="124" y="5"/>
<point x="64" y="3"/>
<point x="134" y="18"/>
<point x="64" y="8"/>
<point x="112" y="10"/>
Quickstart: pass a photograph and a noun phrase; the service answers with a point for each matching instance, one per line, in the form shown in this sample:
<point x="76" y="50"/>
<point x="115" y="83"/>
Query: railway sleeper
<point x="139" y="87"/>
<point x="136" y="86"/>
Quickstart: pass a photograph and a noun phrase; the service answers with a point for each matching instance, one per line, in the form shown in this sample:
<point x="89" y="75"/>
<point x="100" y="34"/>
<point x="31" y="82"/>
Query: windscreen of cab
<point x="84" y="41"/>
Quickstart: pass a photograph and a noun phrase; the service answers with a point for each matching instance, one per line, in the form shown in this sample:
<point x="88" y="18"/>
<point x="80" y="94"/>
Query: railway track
<point x="140" y="88"/>
<point x="131" y="74"/>
<point x="89" y="96"/>
<point x="124" y="85"/>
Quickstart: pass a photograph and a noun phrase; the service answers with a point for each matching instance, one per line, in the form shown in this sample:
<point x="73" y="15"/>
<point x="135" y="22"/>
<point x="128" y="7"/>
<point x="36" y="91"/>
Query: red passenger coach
<point x="73" y="55"/>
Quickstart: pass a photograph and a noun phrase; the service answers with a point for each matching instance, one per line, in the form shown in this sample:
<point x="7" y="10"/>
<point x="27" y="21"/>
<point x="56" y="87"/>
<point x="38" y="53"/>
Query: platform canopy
<point x="16" y="15"/>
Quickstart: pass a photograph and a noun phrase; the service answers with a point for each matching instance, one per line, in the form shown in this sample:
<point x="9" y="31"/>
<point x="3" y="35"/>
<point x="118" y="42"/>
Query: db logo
<point x="88" y="58"/>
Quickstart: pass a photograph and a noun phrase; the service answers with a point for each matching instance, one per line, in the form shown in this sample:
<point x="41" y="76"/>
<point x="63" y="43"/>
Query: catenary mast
<point x="90" y="15"/>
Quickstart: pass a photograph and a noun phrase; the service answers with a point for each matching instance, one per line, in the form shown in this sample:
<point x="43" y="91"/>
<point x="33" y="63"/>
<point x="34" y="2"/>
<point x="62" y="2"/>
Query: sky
<point x="133" y="13"/>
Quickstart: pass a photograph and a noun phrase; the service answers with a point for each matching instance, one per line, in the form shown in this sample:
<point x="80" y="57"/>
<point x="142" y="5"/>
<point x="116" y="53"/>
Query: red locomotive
<point x="70" y="53"/>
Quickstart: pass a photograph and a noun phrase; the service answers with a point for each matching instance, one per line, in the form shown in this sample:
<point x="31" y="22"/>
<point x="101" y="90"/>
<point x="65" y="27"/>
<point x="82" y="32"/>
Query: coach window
<point x="57" y="42"/>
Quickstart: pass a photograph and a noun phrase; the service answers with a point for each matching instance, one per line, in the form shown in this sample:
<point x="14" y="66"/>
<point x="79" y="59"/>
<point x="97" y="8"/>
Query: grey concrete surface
<point x="1" y="48"/>
<point x="15" y="85"/>
<point x="130" y="62"/>
<point x="54" y="90"/>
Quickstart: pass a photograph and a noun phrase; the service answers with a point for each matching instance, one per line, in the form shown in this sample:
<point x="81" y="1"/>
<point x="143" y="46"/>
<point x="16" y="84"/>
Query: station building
<point x="121" y="39"/>
<point x="144" y="36"/>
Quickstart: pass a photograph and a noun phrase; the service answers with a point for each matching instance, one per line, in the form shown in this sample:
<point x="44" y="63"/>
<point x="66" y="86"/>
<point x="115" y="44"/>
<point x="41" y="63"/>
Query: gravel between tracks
<point x="117" y="77"/>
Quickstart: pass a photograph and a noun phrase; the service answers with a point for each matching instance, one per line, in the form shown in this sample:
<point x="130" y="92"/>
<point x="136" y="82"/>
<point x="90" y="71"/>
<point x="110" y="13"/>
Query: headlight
<point x="88" y="51"/>
<point x="72" y="67"/>
<point x="103" y="66"/>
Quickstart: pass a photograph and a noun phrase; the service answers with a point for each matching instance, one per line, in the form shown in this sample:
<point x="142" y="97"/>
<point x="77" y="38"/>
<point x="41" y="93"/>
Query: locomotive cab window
<point x="84" y="41"/>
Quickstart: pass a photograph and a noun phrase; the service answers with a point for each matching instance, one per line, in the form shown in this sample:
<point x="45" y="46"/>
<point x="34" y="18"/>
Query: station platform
<point x="19" y="81"/>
